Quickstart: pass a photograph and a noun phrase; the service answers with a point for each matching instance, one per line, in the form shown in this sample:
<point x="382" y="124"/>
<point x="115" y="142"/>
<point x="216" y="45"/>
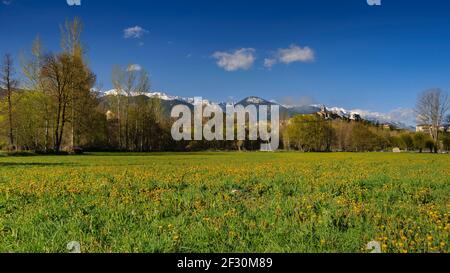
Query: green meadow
<point x="225" y="202"/>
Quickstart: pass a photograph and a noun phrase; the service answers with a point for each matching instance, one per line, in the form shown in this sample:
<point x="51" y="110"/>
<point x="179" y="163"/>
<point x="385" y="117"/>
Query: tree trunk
<point x="57" y="128"/>
<point x="10" y="118"/>
<point x="72" y="139"/>
<point x="46" y="135"/>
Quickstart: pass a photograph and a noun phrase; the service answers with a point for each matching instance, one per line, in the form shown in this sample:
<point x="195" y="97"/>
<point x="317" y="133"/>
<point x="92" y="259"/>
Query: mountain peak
<point x="255" y="100"/>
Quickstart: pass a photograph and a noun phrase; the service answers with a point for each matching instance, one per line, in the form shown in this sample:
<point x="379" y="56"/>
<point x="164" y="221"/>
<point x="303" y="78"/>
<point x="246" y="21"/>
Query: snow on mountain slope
<point x="159" y="95"/>
<point x="254" y="100"/>
<point x="401" y="118"/>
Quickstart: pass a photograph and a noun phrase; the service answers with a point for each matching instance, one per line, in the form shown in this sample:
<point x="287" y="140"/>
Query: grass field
<point x="225" y="202"/>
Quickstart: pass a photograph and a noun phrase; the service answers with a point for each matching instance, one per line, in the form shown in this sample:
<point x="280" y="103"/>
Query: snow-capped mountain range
<point x="400" y="118"/>
<point x="159" y="95"/>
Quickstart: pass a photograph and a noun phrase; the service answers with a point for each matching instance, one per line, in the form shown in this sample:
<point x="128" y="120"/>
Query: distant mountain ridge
<point x="168" y="102"/>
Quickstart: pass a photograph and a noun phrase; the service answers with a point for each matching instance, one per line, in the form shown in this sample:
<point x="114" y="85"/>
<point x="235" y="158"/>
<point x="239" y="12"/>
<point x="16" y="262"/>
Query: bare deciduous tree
<point x="432" y="106"/>
<point x="31" y="69"/>
<point x="80" y="93"/>
<point x="61" y="73"/>
<point x="57" y="74"/>
<point x="9" y="84"/>
<point x="128" y="83"/>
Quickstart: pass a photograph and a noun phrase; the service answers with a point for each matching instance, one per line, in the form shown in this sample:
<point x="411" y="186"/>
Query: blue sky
<point x="340" y="53"/>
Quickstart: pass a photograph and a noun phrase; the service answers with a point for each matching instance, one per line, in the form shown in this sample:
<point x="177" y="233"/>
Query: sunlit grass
<point x="225" y="202"/>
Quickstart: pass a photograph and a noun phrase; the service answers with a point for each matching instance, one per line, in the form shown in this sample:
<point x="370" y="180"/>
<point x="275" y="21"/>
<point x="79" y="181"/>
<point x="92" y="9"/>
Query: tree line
<point x="312" y="133"/>
<point x="50" y="105"/>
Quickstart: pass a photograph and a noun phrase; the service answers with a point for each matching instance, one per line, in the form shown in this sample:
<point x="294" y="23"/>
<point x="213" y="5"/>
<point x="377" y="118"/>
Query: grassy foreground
<point x="225" y="202"/>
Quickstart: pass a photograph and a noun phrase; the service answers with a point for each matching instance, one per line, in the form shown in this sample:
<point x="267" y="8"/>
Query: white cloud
<point x="134" y="67"/>
<point x="134" y="32"/>
<point x="295" y="54"/>
<point x="269" y="62"/>
<point x="7" y="2"/>
<point x="289" y="55"/>
<point x="240" y="59"/>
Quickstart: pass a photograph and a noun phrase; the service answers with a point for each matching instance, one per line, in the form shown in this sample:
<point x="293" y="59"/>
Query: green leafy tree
<point x="446" y="142"/>
<point x="430" y="145"/>
<point x="363" y="139"/>
<point x="420" y="141"/>
<point x="30" y="118"/>
<point x="310" y="133"/>
<point x="408" y="141"/>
